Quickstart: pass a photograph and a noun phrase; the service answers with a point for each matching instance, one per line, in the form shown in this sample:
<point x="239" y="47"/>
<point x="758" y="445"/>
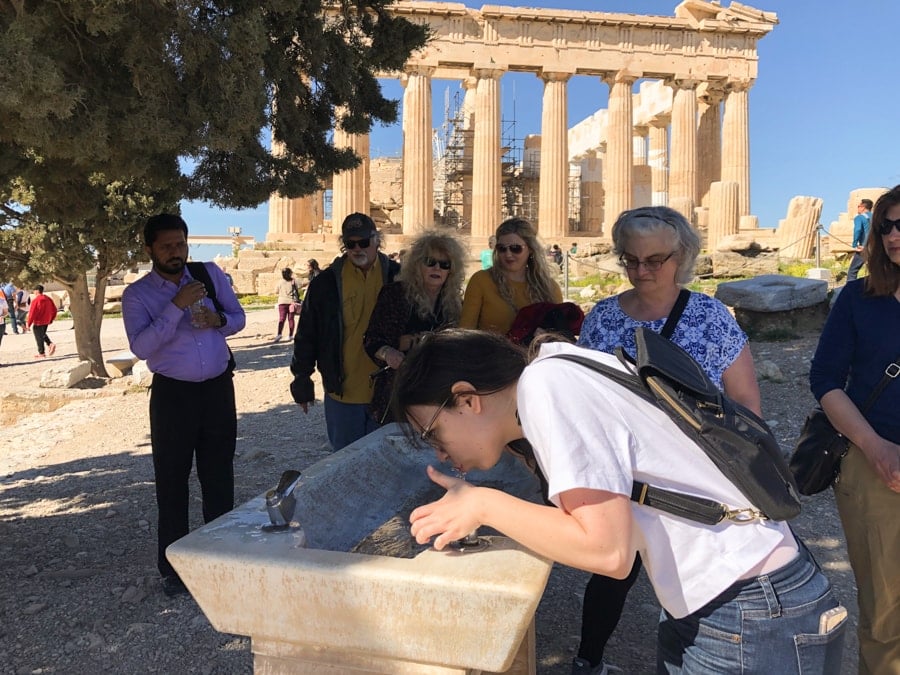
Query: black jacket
<point x="320" y="332"/>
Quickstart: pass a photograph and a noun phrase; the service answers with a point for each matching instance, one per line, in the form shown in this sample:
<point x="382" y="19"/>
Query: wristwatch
<point x="223" y="318"/>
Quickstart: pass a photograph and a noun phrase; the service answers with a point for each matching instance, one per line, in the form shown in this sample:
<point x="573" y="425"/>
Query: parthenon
<point x="682" y="140"/>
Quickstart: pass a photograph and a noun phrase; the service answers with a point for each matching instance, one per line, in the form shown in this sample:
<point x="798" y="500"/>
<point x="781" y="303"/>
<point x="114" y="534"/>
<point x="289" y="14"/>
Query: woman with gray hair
<point x="427" y="296"/>
<point x="658" y="248"/>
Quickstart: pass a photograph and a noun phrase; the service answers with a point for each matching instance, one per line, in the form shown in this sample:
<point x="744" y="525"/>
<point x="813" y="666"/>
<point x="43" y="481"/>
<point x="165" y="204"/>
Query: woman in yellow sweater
<point x="520" y="276"/>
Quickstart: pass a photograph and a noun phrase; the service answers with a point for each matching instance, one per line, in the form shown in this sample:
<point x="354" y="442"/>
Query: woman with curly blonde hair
<point x="427" y="296"/>
<point x="520" y="276"/>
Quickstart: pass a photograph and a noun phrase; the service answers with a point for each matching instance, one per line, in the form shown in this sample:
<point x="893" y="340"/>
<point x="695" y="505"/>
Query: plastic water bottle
<point x="197" y="314"/>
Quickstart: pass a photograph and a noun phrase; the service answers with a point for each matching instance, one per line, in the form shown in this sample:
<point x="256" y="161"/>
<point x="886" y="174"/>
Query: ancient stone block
<point x="772" y="293"/>
<point x="63" y="377"/>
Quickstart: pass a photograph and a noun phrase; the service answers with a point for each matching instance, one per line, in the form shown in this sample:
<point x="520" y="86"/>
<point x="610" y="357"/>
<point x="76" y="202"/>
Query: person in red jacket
<point x="40" y="316"/>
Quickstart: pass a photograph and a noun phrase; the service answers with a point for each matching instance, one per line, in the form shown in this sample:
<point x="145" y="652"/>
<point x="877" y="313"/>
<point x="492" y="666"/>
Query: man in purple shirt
<point x="179" y="327"/>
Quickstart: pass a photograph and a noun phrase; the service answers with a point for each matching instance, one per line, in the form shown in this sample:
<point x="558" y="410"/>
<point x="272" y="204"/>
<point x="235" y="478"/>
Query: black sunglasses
<point x="515" y="249"/>
<point x="431" y="262"/>
<point x="888" y="225"/>
<point x="351" y="244"/>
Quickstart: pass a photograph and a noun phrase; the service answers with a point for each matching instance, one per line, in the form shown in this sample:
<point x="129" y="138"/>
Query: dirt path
<point x="79" y="590"/>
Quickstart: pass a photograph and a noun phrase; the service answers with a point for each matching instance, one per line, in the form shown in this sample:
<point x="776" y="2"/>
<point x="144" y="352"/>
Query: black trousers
<point x="40" y="336"/>
<point x="604" y="600"/>
<point x="11" y="303"/>
<point x="188" y="418"/>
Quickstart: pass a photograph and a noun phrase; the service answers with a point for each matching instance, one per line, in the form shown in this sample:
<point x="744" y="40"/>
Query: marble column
<point x="642" y="191"/>
<point x="618" y="170"/>
<point x="350" y="189"/>
<point x="553" y="192"/>
<point x="723" y="212"/>
<point x="683" y="159"/>
<point x="292" y="216"/>
<point x="658" y="158"/>
<point x="470" y="85"/>
<point x="736" y="140"/>
<point x="592" y="195"/>
<point x="418" y="155"/>
<point x="709" y="138"/>
<point x="486" y="197"/>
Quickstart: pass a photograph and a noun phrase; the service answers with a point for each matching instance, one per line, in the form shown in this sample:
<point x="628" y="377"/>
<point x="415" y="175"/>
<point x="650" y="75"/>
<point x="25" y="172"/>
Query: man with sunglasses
<point x="860" y="234"/>
<point x="333" y="320"/>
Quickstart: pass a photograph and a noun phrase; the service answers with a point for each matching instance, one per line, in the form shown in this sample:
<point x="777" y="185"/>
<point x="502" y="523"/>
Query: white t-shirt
<point x="589" y="432"/>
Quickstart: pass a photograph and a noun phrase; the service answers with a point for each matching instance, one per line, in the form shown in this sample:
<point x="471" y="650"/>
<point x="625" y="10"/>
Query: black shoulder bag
<point x="738" y="442"/>
<point x="816" y="460"/>
<point x="200" y="273"/>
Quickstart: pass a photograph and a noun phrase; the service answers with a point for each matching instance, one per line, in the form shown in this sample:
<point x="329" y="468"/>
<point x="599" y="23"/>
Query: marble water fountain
<point x="345" y="589"/>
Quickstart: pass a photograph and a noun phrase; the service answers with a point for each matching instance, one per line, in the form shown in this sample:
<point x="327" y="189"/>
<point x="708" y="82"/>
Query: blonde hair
<point x="538" y="275"/>
<point x="429" y="244"/>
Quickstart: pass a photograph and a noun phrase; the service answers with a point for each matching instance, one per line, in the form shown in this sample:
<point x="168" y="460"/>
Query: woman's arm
<point x="883" y="455"/>
<point x="591" y="532"/>
<point x="739" y="381"/>
<point x="473" y="299"/>
<point x="386" y="325"/>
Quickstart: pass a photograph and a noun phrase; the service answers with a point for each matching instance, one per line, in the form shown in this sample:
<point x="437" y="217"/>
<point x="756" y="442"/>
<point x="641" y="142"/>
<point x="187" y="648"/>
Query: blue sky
<point x="820" y="114"/>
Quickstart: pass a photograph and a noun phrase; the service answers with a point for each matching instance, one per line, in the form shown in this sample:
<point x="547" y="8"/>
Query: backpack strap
<point x="200" y="273"/>
<point x="698" y="509"/>
<point x="677" y="310"/>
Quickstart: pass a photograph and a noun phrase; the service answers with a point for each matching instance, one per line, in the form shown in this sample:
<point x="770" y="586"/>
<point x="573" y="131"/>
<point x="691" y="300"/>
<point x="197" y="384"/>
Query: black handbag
<point x="816" y="460"/>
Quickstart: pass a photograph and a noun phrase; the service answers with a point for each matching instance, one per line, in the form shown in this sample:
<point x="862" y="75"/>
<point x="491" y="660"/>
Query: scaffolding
<point x="454" y="145"/>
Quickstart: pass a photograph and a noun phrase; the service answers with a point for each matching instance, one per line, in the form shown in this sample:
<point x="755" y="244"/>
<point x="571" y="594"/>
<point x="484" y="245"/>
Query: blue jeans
<point x="765" y="625"/>
<point x="347" y="422"/>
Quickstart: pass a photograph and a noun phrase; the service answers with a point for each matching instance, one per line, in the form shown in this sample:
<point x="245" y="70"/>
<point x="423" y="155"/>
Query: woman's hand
<point x="884" y="457"/>
<point x="450" y="518"/>
<point x="392" y="357"/>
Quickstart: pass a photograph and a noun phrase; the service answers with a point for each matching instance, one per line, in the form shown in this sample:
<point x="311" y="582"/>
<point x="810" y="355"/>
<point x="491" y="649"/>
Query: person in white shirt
<point x="736" y="597"/>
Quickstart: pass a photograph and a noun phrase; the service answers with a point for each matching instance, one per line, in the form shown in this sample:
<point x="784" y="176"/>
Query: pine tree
<point x="111" y="111"/>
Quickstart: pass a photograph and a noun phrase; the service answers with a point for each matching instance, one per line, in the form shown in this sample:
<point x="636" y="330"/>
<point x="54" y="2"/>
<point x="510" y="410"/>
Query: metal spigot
<point x="280" y="502"/>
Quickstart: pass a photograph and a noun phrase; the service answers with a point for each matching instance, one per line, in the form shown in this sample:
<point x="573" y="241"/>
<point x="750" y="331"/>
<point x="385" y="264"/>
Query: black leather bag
<point x="816" y="460"/>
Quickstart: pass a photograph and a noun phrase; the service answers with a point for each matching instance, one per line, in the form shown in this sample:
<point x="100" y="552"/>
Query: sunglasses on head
<point x="515" y="249"/>
<point x="888" y="225"/>
<point x="351" y="244"/>
<point x="431" y="262"/>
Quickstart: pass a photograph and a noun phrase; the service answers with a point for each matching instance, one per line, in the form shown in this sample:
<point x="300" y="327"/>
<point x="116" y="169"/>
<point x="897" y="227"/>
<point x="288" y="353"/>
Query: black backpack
<point x="733" y="437"/>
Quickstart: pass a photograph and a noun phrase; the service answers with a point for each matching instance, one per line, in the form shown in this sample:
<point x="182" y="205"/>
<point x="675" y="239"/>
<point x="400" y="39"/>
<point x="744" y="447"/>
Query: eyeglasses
<point x="888" y="225"/>
<point x="515" y="249"/>
<point x="431" y="262"/>
<point x="427" y="435"/>
<point x="351" y="244"/>
<point x="651" y="264"/>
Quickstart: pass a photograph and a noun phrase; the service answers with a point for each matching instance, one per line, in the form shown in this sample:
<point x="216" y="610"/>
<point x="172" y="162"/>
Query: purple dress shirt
<point x="162" y="334"/>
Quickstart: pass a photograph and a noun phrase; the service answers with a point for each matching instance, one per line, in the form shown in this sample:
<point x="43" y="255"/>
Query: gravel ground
<point x="79" y="591"/>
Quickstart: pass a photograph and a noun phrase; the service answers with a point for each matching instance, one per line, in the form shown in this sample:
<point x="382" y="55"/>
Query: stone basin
<point x="311" y="604"/>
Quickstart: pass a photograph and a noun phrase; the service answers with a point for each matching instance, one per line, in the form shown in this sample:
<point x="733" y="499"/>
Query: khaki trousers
<point x="870" y="514"/>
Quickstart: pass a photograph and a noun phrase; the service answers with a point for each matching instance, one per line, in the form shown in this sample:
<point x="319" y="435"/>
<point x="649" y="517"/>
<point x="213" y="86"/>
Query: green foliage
<point x="111" y="111"/>
<point x="128" y="88"/>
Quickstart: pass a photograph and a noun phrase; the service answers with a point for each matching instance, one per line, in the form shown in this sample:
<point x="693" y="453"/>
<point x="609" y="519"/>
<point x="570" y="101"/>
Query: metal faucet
<point x="280" y="502"/>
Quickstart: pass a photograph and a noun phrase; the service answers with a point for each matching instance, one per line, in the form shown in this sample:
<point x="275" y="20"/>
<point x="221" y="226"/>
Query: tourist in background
<point x="41" y="314"/>
<point x="334" y="318"/>
<point x="658" y="249"/>
<point x="173" y="324"/>
<point x="312" y="269"/>
<point x="858" y="342"/>
<point x="23" y="302"/>
<point x="427" y="296"/>
<point x="288" y="300"/>
<point x="9" y="297"/>
<point x="860" y="236"/>
<point x="487" y="254"/>
<point x="520" y="276"/>
<point x="737" y="598"/>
